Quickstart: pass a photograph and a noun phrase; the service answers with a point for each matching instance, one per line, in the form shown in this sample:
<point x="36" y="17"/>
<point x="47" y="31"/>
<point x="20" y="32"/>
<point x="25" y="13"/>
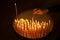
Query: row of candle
<point x="32" y="25"/>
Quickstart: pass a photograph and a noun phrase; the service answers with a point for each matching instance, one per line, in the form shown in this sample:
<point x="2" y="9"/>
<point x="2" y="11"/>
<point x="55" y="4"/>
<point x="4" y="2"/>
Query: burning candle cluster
<point x="33" y="28"/>
<point x="31" y="24"/>
<point x="30" y="28"/>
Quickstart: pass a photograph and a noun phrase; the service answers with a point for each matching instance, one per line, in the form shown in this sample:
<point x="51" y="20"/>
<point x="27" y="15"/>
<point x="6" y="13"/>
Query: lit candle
<point x="44" y="25"/>
<point x="16" y="20"/>
<point x="35" y="26"/>
<point x="41" y="25"/>
<point x="38" y="25"/>
<point x="49" y="22"/>
<point x="35" y="21"/>
<point x="22" y="24"/>
<point x="32" y="28"/>
<point x="28" y="25"/>
<point x="22" y="28"/>
<point x="26" y="22"/>
<point x="17" y="24"/>
<point x="32" y="25"/>
<point x="25" y="25"/>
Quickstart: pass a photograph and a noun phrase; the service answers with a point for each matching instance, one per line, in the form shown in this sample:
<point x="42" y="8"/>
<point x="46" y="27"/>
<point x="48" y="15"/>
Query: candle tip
<point x="14" y="3"/>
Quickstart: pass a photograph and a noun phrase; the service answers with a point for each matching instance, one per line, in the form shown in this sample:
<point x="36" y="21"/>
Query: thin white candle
<point x="49" y="22"/>
<point x="16" y="20"/>
<point x="17" y="25"/>
<point x="35" y="26"/>
<point x="16" y="11"/>
<point x="44" y="25"/>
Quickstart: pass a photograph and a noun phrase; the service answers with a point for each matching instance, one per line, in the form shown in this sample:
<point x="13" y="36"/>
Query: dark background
<point x="7" y="16"/>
